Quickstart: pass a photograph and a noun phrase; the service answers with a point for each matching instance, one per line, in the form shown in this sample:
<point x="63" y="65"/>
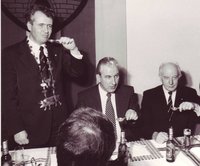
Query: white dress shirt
<point x="35" y="50"/>
<point x="167" y="95"/>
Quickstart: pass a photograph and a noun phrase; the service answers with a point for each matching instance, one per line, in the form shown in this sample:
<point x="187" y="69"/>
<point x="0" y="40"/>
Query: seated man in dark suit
<point x="123" y="99"/>
<point x="86" y="138"/>
<point x="160" y="106"/>
<point x="196" y="108"/>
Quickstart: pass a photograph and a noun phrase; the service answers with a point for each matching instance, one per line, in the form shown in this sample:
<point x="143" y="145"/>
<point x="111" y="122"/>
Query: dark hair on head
<point x="104" y="61"/>
<point x="85" y="138"/>
<point x="42" y="8"/>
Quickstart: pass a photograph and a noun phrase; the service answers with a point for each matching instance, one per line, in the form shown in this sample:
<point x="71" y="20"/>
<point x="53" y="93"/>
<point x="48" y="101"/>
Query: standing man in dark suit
<point x="123" y="98"/>
<point x="159" y="111"/>
<point x="33" y="99"/>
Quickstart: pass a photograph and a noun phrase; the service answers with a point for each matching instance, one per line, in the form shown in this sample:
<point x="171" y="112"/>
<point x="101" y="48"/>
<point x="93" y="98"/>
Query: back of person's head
<point x="106" y="61"/>
<point x="86" y="138"/>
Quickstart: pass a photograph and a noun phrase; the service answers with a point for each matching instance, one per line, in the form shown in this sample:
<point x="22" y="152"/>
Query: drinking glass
<point x="18" y="156"/>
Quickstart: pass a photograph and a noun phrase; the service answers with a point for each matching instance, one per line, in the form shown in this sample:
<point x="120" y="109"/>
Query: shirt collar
<point x="167" y="95"/>
<point x="35" y="48"/>
<point x="166" y="91"/>
<point x="34" y="45"/>
<point x="102" y="91"/>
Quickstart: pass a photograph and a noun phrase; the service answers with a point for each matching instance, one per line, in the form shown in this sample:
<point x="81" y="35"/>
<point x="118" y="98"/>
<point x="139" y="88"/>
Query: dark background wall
<point x="82" y="29"/>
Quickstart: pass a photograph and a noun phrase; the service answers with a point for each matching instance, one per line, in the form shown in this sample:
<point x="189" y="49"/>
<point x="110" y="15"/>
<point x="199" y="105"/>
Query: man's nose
<point x="114" y="81"/>
<point x="46" y="28"/>
<point x="171" y="81"/>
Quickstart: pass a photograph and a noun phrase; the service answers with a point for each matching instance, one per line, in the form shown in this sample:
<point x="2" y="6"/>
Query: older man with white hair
<point x="162" y="106"/>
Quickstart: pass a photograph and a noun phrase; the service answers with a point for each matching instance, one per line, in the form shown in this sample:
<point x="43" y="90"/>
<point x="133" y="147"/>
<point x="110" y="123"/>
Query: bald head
<point x="169" y="74"/>
<point x="108" y="74"/>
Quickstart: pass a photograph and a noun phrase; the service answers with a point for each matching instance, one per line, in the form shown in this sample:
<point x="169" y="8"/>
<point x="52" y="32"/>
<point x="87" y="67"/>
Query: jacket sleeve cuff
<point x="76" y="53"/>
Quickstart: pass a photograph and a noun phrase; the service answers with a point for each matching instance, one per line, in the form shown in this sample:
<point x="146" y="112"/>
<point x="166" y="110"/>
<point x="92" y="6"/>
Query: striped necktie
<point x="169" y="105"/>
<point x="110" y="111"/>
<point x="43" y="64"/>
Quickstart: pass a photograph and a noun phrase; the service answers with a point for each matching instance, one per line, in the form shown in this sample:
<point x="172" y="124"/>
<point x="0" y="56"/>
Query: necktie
<point x="110" y="111"/>
<point x="47" y="83"/>
<point x="43" y="64"/>
<point x="169" y="106"/>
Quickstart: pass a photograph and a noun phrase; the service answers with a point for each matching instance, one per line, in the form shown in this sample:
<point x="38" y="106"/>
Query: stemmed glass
<point x="18" y="156"/>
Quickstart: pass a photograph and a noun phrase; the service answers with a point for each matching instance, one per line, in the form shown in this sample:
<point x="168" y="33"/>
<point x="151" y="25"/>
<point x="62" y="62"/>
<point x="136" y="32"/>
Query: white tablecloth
<point x="180" y="160"/>
<point x="47" y="155"/>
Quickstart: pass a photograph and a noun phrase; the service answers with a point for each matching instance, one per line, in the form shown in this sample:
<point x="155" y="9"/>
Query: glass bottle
<point x="170" y="148"/>
<point x="122" y="151"/>
<point x="6" y="159"/>
<point x="186" y="139"/>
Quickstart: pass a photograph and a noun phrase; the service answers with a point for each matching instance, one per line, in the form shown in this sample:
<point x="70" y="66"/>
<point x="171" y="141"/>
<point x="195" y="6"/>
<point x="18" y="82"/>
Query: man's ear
<point x="160" y="78"/>
<point x="98" y="78"/>
<point x="29" y="25"/>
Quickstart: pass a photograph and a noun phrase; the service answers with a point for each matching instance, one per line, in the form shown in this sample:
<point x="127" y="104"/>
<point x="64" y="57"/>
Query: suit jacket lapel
<point x="178" y="98"/>
<point x="28" y="59"/>
<point x="119" y="104"/>
<point x="51" y="55"/>
<point x="161" y="98"/>
<point x="97" y="99"/>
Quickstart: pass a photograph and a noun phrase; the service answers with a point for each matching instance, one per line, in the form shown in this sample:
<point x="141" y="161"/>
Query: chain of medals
<point x="48" y="84"/>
